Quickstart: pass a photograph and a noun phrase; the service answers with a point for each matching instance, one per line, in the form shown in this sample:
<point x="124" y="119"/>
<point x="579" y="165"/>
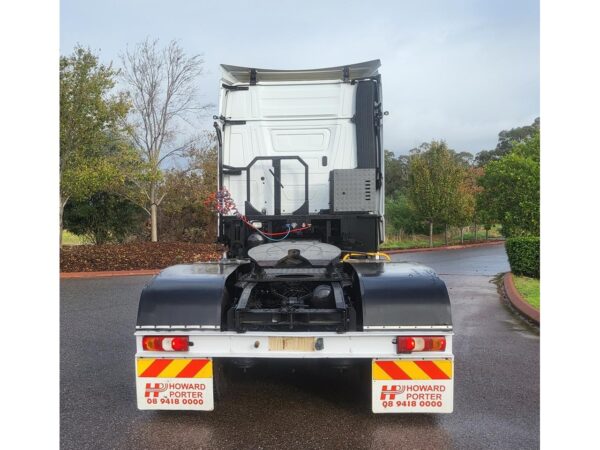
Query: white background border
<point x="29" y="196"/>
<point x="29" y="38"/>
<point x="570" y="313"/>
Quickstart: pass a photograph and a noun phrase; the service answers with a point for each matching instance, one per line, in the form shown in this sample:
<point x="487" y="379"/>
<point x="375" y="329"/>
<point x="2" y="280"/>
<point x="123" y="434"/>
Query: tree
<point x="90" y="127"/>
<point x="202" y="159"/>
<point x="396" y="173"/>
<point x="399" y="215"/>
<point x="104" y="217"/>
<point x="434" y="180"/>
<point x="511" y="189"/>
<point x="464" y="159"/>
<point x="465" y="207"/>
<point x="506" y="140"/>
<point x="185" y="215"/>
<point x="163" y="90"/>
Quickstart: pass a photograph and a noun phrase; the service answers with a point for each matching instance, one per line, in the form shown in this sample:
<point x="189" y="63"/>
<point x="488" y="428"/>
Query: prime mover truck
<point x="300" y="207"/>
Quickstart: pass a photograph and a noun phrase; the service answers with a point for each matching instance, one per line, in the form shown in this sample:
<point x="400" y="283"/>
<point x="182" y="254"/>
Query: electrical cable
<point x="273" y="239"/>
<point x="224" y="204"/>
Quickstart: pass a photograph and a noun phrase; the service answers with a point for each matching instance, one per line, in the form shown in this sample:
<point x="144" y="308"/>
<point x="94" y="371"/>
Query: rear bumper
<point x="418" y="382"/>
<point x="361" y="344"/>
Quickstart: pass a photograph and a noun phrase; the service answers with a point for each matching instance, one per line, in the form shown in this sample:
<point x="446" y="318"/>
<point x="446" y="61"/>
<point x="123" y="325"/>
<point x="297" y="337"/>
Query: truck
<point x="300" y="205"/>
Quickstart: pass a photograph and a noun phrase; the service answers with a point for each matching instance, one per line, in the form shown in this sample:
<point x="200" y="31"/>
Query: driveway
<point x="496" y="384"/>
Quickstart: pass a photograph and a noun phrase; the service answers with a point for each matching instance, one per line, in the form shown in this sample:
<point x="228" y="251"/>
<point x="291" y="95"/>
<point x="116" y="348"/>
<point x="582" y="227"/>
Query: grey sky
<point x="454" y="70"/>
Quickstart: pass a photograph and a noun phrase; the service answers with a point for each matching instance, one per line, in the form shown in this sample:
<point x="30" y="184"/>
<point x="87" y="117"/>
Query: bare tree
<point x="163" y="91"/>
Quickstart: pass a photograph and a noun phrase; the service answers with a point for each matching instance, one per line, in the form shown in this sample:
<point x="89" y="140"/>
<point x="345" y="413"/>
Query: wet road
<point x="496" y="384"/>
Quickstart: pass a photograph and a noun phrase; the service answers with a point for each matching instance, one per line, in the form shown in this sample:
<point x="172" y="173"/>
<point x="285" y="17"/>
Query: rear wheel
<point x="220" y="378"/>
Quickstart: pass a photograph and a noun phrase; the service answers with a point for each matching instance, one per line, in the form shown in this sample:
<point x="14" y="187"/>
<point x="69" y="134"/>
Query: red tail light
<point x="407" y="344"/>
<point x="166" y="343"/>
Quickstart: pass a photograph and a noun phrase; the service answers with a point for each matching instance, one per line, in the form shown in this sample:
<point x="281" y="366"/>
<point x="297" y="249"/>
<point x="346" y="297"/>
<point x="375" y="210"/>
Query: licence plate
<point x="291" y="344"/>
<point x="174" y="383"/>
<point x="412" y="386"/>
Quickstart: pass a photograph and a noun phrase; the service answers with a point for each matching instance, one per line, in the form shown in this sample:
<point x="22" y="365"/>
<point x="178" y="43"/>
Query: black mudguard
<point x="185" y="296"/>
<point x="402" y="295"/>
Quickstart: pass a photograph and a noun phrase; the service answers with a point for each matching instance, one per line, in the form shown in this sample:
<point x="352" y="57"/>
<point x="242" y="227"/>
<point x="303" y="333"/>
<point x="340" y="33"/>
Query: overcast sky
<point x="454" y="70"/>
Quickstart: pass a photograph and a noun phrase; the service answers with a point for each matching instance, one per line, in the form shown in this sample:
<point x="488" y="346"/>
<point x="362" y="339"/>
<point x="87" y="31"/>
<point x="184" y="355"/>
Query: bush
<point x="103" y="218"/>
<point x="524" y="255"/>
<point x="511" y="190"/>
<point x="398" y="214"/>
<point x="182" y="215"/>
<point x="400" y="217"/>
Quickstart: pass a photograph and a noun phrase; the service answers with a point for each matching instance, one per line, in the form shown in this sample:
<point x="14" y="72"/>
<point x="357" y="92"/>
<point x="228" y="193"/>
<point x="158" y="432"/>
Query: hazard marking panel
<point x="412" y="386"/>
<point x="174" y="383"/>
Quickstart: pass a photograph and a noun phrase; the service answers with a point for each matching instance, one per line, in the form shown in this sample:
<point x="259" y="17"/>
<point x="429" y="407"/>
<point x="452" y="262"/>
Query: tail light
<point x="166" y="343"/>
<point x="407" y="344"/>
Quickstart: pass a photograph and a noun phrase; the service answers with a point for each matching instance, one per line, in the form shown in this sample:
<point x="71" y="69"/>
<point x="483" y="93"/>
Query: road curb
<point x="516" y="300"/>
<point x="449" y="247"/>
<point x="116" y="273"/>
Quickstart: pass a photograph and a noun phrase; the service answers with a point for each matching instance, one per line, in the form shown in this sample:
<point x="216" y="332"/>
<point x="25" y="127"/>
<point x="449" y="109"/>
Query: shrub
<point x="103" y="217"/>
<point x="183" y="215"/>
<point x="399" y="216"/>
<point x="511" y="190"/>
<point x="524" y="255"/>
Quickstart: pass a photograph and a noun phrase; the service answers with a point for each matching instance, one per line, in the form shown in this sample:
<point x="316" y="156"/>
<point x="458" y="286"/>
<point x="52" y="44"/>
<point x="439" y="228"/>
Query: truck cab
<point x="303" y="146"/>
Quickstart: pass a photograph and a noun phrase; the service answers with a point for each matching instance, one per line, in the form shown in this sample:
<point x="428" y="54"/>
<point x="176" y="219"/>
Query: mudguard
<point x="402" y="295"/>
<point x="185" y="296"/>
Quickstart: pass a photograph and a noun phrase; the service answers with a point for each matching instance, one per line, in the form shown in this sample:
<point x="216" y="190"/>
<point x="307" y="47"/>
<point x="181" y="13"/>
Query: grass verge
<point x="529" y="288"/>
<point x="423" y="242"/>
<point x="399" y="240"/>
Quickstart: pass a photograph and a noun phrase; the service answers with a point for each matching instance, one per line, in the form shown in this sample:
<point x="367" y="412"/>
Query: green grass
<point x="529" y="288"/>
<point x="69" y="238"/>
<point x="411" y="242"/>
<point x="422" y="241"/>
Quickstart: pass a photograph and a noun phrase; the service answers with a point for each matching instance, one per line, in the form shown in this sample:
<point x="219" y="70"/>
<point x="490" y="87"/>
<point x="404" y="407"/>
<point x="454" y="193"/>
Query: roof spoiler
<point x="249" y="75"/>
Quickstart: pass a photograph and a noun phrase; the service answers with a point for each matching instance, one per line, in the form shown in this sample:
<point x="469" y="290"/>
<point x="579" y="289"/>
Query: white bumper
<point x="227" y="344"/>
<point x="418" y="382"/>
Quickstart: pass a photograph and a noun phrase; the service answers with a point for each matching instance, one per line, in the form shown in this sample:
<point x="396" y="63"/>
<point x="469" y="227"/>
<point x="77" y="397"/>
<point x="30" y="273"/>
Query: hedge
<point x="524" y="255"/>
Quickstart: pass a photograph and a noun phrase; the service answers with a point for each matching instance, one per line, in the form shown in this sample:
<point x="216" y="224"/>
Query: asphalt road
<point x="496" y="380"/>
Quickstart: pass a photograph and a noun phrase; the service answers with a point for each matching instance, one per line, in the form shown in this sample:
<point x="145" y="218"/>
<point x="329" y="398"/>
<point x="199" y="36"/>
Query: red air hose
<point x="223" y="203"/>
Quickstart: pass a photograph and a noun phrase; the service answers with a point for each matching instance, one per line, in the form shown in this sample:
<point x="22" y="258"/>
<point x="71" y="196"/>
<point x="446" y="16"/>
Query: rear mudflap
<point x="412" y="386"/>
<point x="175" y="383"/>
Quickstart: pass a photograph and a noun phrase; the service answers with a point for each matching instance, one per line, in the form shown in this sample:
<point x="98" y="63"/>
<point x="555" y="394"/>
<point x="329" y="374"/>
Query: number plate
<point x="291" y="344"/>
